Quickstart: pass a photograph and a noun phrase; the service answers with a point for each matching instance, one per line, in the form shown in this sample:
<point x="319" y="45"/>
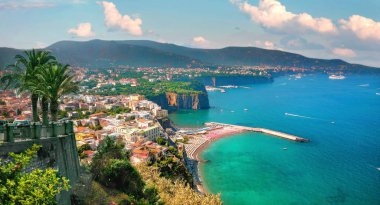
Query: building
<point x="151" y="133"/>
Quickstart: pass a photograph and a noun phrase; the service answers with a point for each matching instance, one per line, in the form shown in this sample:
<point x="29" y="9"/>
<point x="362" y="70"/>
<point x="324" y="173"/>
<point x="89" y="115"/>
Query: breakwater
<point x="262" y="130"/>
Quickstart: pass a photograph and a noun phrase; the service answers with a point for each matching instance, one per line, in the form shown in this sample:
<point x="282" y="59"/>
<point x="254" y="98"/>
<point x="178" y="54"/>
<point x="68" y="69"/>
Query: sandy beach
<point x="199" y="140"/>
<point x="199" y="144"/>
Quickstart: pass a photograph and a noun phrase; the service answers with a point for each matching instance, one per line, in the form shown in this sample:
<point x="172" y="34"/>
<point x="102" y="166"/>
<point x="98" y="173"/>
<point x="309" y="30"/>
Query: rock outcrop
<point x="193" y="101"/>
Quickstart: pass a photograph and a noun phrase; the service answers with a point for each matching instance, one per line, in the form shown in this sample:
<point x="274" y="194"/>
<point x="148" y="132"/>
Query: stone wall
<point x="56" y="152"/>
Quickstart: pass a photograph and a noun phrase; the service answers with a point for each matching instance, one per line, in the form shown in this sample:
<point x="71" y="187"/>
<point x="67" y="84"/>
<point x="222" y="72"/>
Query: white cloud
<point x="40" y="45"/>
<point x="267" y="45"/>
<point x="25" y="4"/>
<point x="200" y="41"/>
<point x="364" y="28"/>
<point x="272" y="14"/>
<point x="114" y="20"/>
<point x="82" y="30"/>
<point x="344" y="52"/>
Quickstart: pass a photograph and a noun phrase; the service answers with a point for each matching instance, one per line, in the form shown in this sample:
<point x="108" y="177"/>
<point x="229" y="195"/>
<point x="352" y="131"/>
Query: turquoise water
<point x="338" y="166"/>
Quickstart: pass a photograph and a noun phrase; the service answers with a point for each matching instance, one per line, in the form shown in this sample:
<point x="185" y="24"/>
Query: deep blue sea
<point x="338" y="166"/>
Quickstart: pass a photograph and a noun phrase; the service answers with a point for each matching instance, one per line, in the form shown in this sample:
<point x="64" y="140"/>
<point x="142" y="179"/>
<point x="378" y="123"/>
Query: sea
<point x="338" y="166"/>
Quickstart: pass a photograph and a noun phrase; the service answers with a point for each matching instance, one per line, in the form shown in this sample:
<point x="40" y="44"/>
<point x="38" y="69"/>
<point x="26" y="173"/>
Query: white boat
<point x="377" y="93"/>
<point x="245" y="109"/>
<point x="222" y="90"/>
<point x="336" y="77"/>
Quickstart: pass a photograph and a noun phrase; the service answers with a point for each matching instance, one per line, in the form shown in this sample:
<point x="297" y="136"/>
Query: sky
<point x="329" y="29"/>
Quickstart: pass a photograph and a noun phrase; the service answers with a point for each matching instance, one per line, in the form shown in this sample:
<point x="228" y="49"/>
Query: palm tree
<point x="24" y="70"/>
<point x="52" y="82"/>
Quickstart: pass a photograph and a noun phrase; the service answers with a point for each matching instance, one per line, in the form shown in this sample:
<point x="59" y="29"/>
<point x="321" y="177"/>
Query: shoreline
<point x="195" y="159"/>
<point x="200" y="185"/>
<point x="202" y="138"/>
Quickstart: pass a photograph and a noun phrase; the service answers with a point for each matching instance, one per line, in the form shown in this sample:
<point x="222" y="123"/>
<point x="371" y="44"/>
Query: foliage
<point x="154" y="89"/>
<point x="24" y="71"/>
<point x="111" y="168"/>
<point x="161" y="141"/>
<point x="177" y="192"/>
<point x="83" y="148"/>
<point x="88" y="192"/>
<point x="53" y="81"/>
<point x="90" y="84"/>
<point x="118" y="110"/>
<point x="37" y="187"/>
<point x="96" y="127"/>
<point x="121" y="175"/>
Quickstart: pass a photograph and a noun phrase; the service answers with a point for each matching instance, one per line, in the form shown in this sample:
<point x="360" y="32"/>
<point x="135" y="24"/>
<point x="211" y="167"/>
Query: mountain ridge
<point x="103" y="53"/>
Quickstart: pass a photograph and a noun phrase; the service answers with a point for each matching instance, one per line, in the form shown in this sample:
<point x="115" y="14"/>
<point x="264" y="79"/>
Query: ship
<point x="336" y="77"/>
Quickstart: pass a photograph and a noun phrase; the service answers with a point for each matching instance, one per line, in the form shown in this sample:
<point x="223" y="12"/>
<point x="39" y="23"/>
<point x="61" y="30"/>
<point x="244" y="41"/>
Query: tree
<point x="24" y="70"/>
<point x="111" y="168"/>
<point x="161" y="141"/>
<point x="36" y="187"/>
<point x="53" y="81"/>
<point x="173" y="192"/>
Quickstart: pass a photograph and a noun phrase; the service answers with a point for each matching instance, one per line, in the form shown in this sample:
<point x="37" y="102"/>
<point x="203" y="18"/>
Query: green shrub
<point x="36" y="187"/>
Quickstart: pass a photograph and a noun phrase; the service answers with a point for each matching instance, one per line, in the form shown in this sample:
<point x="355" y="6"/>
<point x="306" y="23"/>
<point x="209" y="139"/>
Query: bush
<point x="37" y="187"/>
<point x="111" y="168"/>
<point x="175" y="192"/>
<point x="161" y="141"/>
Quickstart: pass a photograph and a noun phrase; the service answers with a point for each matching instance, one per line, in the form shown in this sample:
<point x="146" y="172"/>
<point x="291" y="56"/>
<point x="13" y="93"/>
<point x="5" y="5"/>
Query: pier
<point x="262" y="130"/>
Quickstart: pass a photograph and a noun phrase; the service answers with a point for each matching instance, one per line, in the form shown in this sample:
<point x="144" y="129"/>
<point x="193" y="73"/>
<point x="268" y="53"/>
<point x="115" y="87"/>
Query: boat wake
<point x="301" y="116"/>
<point x="306" y="117"/>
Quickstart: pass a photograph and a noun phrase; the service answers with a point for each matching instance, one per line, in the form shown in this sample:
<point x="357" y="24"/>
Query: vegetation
<point x="111" y="168"/>
<point x="52" y="82"/>
<point x="96" y="127"/>
<point x="25" y="70"/>
<point x="114" y="179"/>
<point x="118" y="110"/>
<point x="175" y="192"/>
<point x="153" y="89"/>
<point x="161" y="141"/>
<point x="81" y="150"/>
<point x="36" y="187"/>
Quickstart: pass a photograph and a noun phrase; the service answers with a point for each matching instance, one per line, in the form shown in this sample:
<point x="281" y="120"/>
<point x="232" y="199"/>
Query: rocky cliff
<point x="174" y="101"/>
<point x="195" y="98"/>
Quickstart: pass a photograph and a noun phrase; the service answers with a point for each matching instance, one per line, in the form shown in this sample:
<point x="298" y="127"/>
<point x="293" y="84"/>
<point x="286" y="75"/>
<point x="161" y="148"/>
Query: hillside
<point x="99" y="53"/>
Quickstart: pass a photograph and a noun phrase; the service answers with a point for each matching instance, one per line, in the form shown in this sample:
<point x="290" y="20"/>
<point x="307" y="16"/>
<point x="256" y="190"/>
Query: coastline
<point x="194" y="158"/>
<point x="203" y="137"/>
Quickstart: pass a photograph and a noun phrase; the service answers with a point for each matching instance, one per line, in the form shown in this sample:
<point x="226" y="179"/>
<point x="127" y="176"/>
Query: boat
<point x="336" y="77"/>
<point x="222" y="91"/>
<point x="285" y="148"/>
<point x="377" y="93"/>
<point x="245" y="109"/>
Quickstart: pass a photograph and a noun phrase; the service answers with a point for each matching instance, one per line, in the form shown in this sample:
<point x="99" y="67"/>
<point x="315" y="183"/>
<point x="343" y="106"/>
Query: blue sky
<point x="346" y="29"/>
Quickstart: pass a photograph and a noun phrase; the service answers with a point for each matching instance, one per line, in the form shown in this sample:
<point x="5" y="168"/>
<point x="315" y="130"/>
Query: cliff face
<point x="174" y="101"/>
<point x="187" y="101"/>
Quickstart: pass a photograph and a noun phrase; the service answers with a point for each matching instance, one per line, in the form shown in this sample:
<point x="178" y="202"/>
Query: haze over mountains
<point x="100" y="53"/>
